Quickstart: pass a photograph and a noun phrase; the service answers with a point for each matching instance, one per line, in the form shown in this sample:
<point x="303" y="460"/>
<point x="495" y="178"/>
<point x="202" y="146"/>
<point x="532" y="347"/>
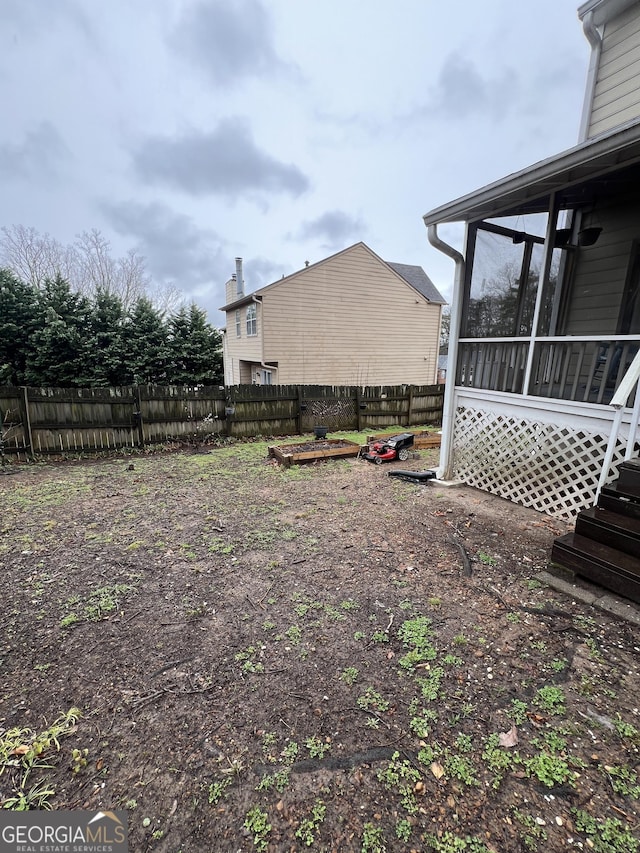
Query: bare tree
<point x="87" y="264"/>
<point x="167" y="298"/>
<point x="32" y="256"/>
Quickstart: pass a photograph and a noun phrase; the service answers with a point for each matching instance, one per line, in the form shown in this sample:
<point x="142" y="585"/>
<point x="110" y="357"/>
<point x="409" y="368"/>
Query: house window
<point x="266" y="377"/>
<point x="238" y="325"/>
<point x="252" y="322"/>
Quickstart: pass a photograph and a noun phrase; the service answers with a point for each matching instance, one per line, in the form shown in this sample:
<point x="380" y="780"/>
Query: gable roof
<point x="419" y="280"/>
<point x="412" y="275"/>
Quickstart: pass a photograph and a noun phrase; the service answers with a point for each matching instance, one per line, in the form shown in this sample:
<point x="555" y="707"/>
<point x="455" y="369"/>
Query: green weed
<point x="415" y="635"/>
<point x="380" y="637"/>
<point x="499" y="760"/>
<point x="533" y="832"/>
<point x="550" y="699"/>
<point x="550" y="769"/>
<point x="623" y="780"/>
<point x="217" y="790"/>
<point x="461" y="768"/>
<point x="373" y="839"/>
<point x="306" y="831"/>
<point x="257" y="823"/>
<point x="99" y="604"/>
<point x="371" y="700"/>
<point x="349" y="675"/>
<point x="247" y="658"/>
<point x="448" y="842"/>
<point x="317" y="747"/>
<point x="430" y="684"/>
<point x="606" y="835"/>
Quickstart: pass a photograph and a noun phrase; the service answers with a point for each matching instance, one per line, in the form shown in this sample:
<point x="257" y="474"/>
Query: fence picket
<point x="39" y="421"/>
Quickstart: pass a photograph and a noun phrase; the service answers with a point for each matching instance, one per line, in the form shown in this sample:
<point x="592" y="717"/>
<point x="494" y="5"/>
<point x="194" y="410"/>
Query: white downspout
<point x="445" y="470"/>
<point x="595" y="40"/>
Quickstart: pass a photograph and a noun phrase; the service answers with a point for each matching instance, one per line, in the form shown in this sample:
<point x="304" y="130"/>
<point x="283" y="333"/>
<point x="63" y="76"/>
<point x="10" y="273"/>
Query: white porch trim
<point x="544" y="454"/>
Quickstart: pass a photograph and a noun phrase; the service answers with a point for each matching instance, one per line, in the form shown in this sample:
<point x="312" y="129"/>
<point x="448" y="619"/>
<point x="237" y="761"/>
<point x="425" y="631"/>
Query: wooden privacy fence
<point x="39" y="421"/>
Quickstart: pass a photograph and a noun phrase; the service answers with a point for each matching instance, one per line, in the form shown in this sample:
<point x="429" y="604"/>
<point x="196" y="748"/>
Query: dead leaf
<point x="20" y="750"/>
<point x="100" y="764"/>
<point x="509" y="738"/>
<point x="437" y="770"/>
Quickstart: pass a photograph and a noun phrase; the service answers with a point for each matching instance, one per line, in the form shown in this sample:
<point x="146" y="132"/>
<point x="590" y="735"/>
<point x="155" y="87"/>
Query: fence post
<point x="358" y="411"/>
<point x="410" y="412"/>
<point x="26" y="419"/>
<point x="138" y="415"/>
<point x="299" y="417"/>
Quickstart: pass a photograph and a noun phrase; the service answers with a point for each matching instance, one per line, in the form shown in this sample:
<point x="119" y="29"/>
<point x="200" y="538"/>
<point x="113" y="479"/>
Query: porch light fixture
<point x="586" y="237"/>
<point x="589" y="236"/>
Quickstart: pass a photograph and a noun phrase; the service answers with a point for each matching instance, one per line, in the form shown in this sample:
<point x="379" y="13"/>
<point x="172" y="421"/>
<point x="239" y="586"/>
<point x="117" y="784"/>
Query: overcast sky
<point x="200" y="130"/>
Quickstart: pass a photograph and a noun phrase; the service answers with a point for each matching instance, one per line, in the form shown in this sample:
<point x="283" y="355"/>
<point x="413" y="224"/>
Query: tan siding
<point x="601" y="271"/>
<point x="617" y="95"/>
<point x="243" y="348"/>
<point x="352" y="321"/>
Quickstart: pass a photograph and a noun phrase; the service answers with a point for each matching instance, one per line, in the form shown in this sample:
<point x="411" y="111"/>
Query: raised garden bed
<point x="311" y="451"/>
<point x="423" y="438"/>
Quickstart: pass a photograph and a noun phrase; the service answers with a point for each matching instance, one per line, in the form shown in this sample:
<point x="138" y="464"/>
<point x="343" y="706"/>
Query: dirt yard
<point x="282" y="659"/>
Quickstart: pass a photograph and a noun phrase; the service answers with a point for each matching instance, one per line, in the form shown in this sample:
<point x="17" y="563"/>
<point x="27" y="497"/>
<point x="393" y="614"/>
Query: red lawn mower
<point x="394" y="447"/>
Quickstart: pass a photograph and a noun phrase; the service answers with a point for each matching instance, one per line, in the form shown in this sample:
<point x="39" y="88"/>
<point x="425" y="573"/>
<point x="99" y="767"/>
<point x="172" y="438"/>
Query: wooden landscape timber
<point x="329" y="448"/>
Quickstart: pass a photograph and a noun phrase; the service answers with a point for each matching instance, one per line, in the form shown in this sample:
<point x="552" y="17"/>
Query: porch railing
<point x="585" y="369"/>
<point x="627" y="387"/>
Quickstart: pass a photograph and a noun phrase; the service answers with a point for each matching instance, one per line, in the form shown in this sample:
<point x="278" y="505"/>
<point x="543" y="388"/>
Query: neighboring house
<point x="350" y="319"/>
<point x="546" y="307"/>
<point x="442" y="368"/>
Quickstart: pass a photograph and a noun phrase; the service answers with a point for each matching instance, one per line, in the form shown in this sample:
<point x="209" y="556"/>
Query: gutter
<point x="445" y="469"/>
<point x="594" y="38"/>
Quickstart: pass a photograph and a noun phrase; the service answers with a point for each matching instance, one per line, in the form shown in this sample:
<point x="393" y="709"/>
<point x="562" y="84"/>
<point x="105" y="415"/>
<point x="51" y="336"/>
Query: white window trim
<point x="252" y="321"/>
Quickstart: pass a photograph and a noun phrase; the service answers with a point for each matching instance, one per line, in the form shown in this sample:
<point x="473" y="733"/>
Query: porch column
<point x="547" y="256"/>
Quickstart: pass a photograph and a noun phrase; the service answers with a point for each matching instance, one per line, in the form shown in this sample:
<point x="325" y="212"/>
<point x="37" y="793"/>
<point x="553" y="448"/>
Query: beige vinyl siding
<point x="601" y="271"/>
<point x="617" y="94"/>
<point x="350" y="320"/>
<point x="243" y="348"/>
<point x="231" y="291"/>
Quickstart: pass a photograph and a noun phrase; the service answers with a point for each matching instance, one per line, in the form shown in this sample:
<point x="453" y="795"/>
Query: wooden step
<point x="615" y="500"/>
<point x="610" y="528"/>
<point x="629" y="477"/>
<point x="608" y="567"/>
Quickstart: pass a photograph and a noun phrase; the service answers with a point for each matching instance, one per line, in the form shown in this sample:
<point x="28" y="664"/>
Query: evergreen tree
<point x="145" y="340"/>
<point x="19" y="318"/>
<point x="106" y="359"/>
<point x="195" y="348"/>
<point x="58" y="352"/>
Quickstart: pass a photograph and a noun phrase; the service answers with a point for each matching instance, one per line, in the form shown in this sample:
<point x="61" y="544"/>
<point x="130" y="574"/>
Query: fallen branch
<point x="466" y="562"/>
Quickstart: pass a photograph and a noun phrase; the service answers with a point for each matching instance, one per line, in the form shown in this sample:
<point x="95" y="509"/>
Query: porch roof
<point x="575" y="175"/>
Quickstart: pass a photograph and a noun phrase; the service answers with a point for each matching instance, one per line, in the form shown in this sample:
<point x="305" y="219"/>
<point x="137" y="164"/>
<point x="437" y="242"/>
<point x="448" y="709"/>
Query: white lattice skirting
<point x="549" y="467"/>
